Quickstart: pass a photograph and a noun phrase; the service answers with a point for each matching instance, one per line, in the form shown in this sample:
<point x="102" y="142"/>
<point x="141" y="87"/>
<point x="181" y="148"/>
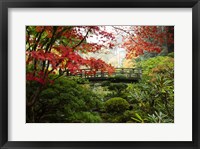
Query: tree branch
<point x="35" y="47"/>
<point x="82" y="39"/>
<point x="125" y="32"/>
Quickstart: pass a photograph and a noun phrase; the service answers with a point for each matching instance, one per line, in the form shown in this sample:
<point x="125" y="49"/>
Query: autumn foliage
<point x="148" y="38"/>
<point x="53" y="48"/>
<point x="50" y="49"/>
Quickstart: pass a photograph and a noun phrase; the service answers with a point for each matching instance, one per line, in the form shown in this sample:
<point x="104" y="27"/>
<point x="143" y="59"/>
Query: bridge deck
<point x="114" y="80"/>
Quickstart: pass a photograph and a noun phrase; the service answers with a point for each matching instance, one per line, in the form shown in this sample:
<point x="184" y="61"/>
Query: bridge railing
<point x="123" y="72"/>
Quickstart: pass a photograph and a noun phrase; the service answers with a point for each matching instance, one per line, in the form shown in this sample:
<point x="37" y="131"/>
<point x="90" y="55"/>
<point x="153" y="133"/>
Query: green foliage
<point x="105" y="83"/>
<point x="171" y="54"/>
<point x="127" y="115"/>
<point x="159" y="62"/>
<point x="101" y="92"/>
<point x="73" y="99"/>
<point x="62" y="99"/>
<point x="79" y="80"/>
<point x="85" y="117"/>
<point x="110" y="118"/>
<point x="155" y="92"/>
<point x="159" y="118"/>
<point x="124" y="117"/>
<point x="138" y="118"/>
<point x="118" y="88"/>
<point x="116" y="105"/>
<point x="120" y="76"/>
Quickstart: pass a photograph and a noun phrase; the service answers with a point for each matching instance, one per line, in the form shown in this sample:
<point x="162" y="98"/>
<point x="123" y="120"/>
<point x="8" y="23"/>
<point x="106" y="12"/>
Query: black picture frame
<point x="5" y="4"/>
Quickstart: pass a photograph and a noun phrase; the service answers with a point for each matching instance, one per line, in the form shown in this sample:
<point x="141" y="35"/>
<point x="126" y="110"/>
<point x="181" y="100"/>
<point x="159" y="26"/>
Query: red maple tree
<point x="61" y="48"/>
<point x="53" y="49"/>
<point x="148" y="38"/>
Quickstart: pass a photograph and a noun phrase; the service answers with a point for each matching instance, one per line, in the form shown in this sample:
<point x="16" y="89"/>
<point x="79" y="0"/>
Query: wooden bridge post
<point x="140" y="72"/>
<point x="67" y="72"/>
<point x="81" y="73"/>
<point x="85" y="73"/>
<point x="102" y="74"/>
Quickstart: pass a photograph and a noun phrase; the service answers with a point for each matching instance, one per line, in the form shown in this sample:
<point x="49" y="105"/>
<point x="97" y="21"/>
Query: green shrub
<point x="120" y="76"/>
<point x="127" y="115"/>
<point x="171" y="54"/>
<point x="118" y="117"/>
<point x="116" y="105"/>
<point x="159" y="118"/>
<point x="115" y="119"/>
<point x="155" y="92"/>
<point x="85" y="117"/>
<point x="58" y="102"/>
<point x="153" y="63"/>
<point x="118" y="88"/>
<point x="79" y="80"/>
<point x="105" y="83"/>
